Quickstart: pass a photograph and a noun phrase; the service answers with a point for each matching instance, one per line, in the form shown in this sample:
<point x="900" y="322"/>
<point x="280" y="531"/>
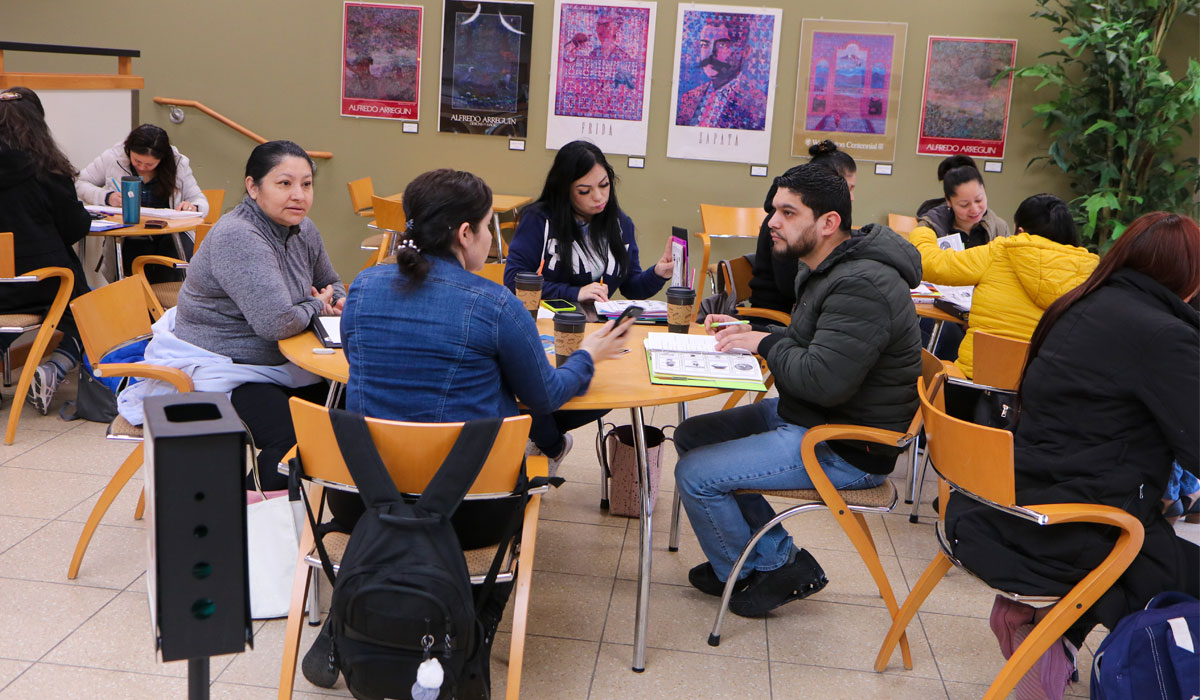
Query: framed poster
<point x="381" y="60"/>
<point x="962" y="111"/>
<point x="599" y="81"/>
<point x="848" y="87"/>
<point x="723" y="83"/>
<point x="485" y="67"/>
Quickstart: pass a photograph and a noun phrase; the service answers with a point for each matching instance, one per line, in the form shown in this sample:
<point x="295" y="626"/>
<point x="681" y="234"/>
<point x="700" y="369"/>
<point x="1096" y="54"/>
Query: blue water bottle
<point x="131" y="199"/>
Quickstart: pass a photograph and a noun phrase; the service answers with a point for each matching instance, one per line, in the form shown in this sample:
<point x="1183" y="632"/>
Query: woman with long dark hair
<point x="38" y="205"/>
<point x="964" y="208"/>
<point x="1108" y="404"/>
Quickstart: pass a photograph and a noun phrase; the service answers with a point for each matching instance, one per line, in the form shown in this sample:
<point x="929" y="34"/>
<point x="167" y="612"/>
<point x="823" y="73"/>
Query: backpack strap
<point x="453" y="479"/>
<point x="374" y="483"/>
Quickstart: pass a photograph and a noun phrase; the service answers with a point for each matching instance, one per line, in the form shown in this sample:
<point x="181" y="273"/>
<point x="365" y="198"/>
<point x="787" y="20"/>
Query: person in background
<point x="964" y="208"/>
<point x="773" y="284"/>
<point x="38" y="205"/>
<point x="584" y="245"/>
<point x="1107" y="407"/>
<point x="167" y="183"/>
<point x="1015" y="277"/>
<point x="430" y="341"/>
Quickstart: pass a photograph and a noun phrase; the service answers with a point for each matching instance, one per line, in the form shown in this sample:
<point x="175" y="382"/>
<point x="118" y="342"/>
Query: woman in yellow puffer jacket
<point x="1015" y="277"/>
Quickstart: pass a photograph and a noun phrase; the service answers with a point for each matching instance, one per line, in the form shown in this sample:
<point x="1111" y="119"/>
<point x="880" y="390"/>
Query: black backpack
<point x="402" y="595"/>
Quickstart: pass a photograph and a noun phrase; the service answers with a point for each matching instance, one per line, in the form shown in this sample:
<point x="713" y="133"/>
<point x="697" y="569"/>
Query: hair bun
<point x="822" y="148"/>
<point x="952" y="162"/>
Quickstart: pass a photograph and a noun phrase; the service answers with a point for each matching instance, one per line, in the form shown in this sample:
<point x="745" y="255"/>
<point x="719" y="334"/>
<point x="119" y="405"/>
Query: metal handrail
<point x="227" y="121"/>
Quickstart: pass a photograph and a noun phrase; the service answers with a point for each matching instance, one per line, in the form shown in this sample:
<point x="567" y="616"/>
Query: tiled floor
<point x="90" y="638"/>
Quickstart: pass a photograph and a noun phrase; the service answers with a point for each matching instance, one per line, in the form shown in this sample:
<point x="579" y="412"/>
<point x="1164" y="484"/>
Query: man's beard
<point x="802" y="247"/>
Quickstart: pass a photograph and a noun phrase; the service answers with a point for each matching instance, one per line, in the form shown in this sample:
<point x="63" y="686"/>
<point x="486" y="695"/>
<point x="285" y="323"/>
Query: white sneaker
<point x="532" y="450"/>
<point x="41" y="389"/>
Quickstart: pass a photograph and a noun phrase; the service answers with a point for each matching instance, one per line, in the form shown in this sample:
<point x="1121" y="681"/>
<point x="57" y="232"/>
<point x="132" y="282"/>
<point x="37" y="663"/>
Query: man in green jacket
<point x="852" y="354"/>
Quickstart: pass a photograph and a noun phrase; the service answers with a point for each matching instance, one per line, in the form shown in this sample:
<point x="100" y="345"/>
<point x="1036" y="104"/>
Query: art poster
<point x="485" y="67"/>
<point x="381" y="61"/>
<point x="848" y="87"/>
<point x="724" y="83"/>
<point x="964" y="109"/>
<point x="599" y="77"/>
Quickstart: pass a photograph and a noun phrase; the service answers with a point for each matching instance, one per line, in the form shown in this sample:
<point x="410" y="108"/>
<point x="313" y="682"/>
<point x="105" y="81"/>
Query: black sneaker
<point x="320" y="665"/>
<point x="767" y="590"/>
<point x="704" y="579"/>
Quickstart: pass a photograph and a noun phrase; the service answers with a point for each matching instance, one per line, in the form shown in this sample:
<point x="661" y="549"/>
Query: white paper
<point x="951" y="242"/>
<point x="147" y="212"/>
<point x="959" y="296"/>
<point x="615" y="307"/>
<point x="683" y="342"/>
<point x="679" y="258"/>
<point x="686" y="355"/>
<point x="332" y="325"/>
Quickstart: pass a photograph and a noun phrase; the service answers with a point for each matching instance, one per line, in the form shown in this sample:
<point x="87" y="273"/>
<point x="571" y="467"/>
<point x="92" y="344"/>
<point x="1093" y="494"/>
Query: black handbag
<point x="981" y="404"/>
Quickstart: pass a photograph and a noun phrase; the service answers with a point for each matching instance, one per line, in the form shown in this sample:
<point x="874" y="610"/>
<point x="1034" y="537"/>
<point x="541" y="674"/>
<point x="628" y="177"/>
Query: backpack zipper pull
<point x="429" y="674"/>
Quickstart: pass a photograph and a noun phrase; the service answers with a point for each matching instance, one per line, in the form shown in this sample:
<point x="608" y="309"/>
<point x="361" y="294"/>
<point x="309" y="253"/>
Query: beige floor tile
<point x="44" y="614"/>
<point x="958" y="593"/>
<point x="794" y="682"/>
<point x="26" y="439"/>
<point x="10" y="669"/>
<point x="838" y="635"/>
<point x="575" y="548"/>
<point x="578" y="503"/>
<point x="965" y="647"/>
<point x="120" y="511"/>
<point x="13" y="529"/>
<point x="680" y="619"/>
<point x="115" y="556"/>
<point x="851" y="582"/>
<point x="70" y="683"/>
<point x="553" y="668"/>
<point x="61" y="454"/>
<point x="966" y="691"/>
<point x="565" y="605"/>
<point x="260" y="666"/>
<point x="32" y="493"/>
<point x="666" y="567"/>
<point x="677" y="674"/>
<point x="233" y="691"/>
<point x="911" y="540"/>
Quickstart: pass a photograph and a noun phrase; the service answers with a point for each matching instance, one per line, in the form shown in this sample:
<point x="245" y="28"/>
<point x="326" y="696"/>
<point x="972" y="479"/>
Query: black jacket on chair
<point x="1109" y="402"/>
<point x="45" y="219"/>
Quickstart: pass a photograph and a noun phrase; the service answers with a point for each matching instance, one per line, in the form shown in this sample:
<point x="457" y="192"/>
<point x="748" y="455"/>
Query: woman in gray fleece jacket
<point x="262" y="276"/>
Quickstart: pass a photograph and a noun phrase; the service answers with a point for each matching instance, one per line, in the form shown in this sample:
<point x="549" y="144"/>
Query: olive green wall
<point x="273" y="66"/>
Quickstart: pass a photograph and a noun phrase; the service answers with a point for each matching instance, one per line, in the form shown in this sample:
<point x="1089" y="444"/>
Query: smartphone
<point x="557" y="305"/>
<point x="156" y="223"/>
<point x="631" y="311"/>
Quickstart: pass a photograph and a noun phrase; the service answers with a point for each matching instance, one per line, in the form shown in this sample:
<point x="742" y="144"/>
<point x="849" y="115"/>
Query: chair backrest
<point x="8" y="259"/>
<point x="216" y="199"/>
<point x="493" y="272"/>
<point x="114" y="314"/>
<point x="998" y="360"/>
<point x="736" y="273"/>
<point x="361" y="192"/>
<point x="731" y="221"/>
<point x="974" y="458"/>
<point x="412" y="452"/>
<point x="389" y="214"/>
<point x="902" y="223"/>
<point x="201" y="232"/>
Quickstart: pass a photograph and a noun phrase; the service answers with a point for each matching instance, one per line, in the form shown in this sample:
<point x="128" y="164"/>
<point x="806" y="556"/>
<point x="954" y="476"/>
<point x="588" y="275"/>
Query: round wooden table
<point x="620" y="383"/>
<point x="173" y="228"/>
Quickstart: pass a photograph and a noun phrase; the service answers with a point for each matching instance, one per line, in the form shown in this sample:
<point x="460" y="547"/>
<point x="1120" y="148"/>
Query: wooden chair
<point x="725" y="222"/>
<point x="391" y="221"/>
<point x="109" y="317"/>
<point x="998" y="364"/>
<point x="902" y="224"/>
<point x="47" y="323"/>
<point x="362" y="191"/>
<point x="216" y="199"/>
<point x="978" y="461"/>
<point x="493" y="272"/>
<point x="846" y="506"/>
<point x="167" y="293"/>
<point x="931" y="367"/>
<point x="412" y="453"/>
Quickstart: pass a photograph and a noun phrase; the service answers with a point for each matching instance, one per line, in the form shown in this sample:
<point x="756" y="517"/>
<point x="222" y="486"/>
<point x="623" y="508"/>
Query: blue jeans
<point x="748" y="447"/>
<point x="1182" y="483"/>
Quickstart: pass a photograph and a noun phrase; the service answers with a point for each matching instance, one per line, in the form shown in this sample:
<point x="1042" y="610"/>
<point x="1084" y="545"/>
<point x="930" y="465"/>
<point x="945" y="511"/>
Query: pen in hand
<point x="116" y="187"/>
<point x="723" y="324"/>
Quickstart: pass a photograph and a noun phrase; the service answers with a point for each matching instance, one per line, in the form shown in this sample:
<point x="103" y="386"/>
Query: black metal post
<point x="198" y="678"/>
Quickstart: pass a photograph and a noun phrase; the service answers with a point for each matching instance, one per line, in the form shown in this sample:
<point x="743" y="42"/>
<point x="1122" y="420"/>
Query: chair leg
<point x="673" y="543"/>
<point x="291" y="639"/>
<point x="32" y="360"/>
<point x="127" y="469"/>
<point x="860" y="535"/>
<point x="314" y="598"/>
<point x="925" y="585"/>
<point x="917" y="487"/>
<point x="602" y="458"/>
<point x="140" y="510"/>
<point x="516" y="653"/>
<point x="914" y="463"/>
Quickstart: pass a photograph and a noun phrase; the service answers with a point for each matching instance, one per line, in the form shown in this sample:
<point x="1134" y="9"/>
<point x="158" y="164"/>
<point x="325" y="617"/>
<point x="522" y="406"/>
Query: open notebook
<point x="329" y="330"/>
<point x="692" y="360"/>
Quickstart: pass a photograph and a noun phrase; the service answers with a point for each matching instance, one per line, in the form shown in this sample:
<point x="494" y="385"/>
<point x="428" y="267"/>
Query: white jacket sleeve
<point x="92" y="184"/>
<point x="186" y="187"/>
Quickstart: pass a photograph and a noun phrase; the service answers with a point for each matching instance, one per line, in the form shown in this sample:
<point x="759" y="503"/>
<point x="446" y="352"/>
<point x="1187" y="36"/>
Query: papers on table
<point x="693" y="360"/>
<point x="146" y="212"/>
<point x="959" y="296"/>
<point x="99" y="225"/>
<point x="952" y="242"/>
<point x="925" y="293"/>
<point x="654" y="310"/>
<point x="329" y="330"/>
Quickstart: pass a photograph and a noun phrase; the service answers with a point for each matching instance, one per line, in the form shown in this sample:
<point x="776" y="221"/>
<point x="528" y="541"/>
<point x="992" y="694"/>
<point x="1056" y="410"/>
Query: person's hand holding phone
<point x="608" y="342"/>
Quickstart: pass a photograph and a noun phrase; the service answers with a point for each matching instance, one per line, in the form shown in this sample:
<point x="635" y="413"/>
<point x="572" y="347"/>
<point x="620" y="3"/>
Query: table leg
<point x="937" y="333"/>
<point x="499" y="238"/>
<point x="179" y="246"/>
<point x="673" y="542"/>
<point x="120" y="258"/>
<point x="335" y="393"/>
<point x="642" y="620"/>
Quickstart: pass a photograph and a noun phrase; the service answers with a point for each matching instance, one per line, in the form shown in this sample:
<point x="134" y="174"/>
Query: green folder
<point x="677" y="380"/>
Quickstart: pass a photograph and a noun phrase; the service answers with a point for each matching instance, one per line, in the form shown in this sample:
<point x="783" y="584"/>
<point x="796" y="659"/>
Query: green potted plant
<point x="1119" y="116"/>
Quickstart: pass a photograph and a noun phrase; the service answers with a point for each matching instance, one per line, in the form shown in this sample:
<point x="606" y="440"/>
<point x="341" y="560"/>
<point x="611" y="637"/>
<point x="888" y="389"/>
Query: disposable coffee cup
<point x="568" y="334"/>
<point x="131" y="199"/>
<point x="680" y="301"/>
<point x="529" y="291"/>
